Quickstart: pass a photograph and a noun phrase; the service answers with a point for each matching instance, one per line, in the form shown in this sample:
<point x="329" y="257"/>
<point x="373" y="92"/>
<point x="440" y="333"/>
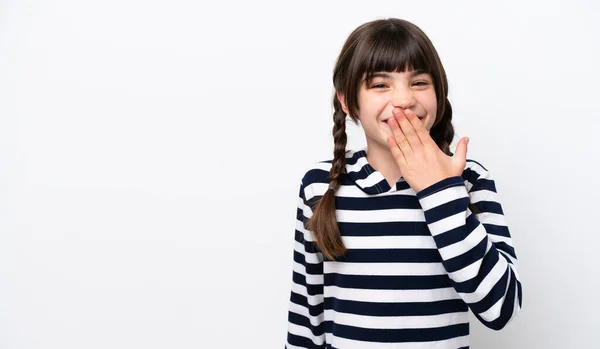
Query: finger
<point x="401" y="140"/>
<point x="461" y="149"/>
<point x="396" y="152"/>
<point x="420" y="130"/>
<point x="408" y="129"/>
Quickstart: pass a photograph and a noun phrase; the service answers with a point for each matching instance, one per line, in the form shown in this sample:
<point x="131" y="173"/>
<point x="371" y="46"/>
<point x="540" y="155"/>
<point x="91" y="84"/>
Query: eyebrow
<point x="388" y="76"/>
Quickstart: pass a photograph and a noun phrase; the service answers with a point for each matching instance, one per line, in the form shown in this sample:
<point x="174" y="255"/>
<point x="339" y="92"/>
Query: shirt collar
<point x="364" y="176"/>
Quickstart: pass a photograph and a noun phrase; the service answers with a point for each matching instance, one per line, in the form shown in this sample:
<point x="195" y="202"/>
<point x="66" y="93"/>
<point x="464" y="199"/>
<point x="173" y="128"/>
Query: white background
<point x="151" y="153"/>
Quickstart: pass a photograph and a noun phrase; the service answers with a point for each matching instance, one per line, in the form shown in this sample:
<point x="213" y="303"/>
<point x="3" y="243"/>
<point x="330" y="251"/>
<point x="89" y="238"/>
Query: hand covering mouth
<point x="386" y="119"/>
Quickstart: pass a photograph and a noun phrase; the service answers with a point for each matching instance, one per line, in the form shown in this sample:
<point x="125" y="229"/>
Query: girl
<point x="395" y="242"/>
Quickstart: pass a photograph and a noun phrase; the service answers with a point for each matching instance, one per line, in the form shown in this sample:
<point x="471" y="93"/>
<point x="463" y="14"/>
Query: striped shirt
<point x="415" y="262"/>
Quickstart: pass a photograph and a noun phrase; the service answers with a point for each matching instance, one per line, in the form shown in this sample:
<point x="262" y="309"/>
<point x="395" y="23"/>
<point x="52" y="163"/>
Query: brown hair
<point x="391" y="45"/>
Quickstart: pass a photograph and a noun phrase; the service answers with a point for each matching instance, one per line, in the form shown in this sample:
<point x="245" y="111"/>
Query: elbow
<point x="506" y="310"/>
<point x="503" y="319"/>
<point x="499" y="325"/>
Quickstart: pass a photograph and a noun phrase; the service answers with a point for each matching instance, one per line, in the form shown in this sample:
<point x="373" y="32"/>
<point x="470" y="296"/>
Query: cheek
<point x="432" y="103"/>
<point x="370" y="113"/>
<point x="428" y="101"/>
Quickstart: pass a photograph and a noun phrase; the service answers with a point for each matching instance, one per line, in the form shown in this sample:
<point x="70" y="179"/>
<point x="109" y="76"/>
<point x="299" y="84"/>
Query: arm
<point x="476" y="249"/>
<point x="306" y="323"/>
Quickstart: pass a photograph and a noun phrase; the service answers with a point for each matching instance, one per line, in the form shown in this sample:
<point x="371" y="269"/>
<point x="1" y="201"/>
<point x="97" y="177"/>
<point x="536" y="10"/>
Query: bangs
<point x="391" y="51"/>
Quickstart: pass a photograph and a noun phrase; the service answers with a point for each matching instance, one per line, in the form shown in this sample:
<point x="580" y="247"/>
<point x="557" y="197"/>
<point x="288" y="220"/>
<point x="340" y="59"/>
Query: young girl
<point x="395" y="242"/>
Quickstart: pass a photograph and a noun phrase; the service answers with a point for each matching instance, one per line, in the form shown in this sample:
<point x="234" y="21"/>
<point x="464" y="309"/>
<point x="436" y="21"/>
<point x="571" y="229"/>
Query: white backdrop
<point x="151" y="153"/>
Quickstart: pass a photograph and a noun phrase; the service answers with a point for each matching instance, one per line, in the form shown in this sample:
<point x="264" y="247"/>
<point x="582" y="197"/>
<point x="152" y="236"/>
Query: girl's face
<point x="412" y="90"/>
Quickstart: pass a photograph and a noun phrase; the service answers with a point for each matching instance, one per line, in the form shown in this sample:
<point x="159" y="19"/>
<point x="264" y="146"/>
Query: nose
<point x="402" y="98"/>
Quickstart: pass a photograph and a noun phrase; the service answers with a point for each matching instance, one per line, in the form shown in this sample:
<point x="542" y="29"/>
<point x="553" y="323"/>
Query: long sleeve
<point x="306" y="323"/>
<point x="476" y="249"/>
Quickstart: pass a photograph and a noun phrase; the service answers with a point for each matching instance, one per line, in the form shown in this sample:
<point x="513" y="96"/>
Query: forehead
<point x="393" y="74"/>
<point x="396" y="75"/>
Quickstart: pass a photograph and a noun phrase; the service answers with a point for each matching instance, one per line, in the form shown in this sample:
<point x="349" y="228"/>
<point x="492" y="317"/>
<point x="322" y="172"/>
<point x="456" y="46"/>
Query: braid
<point x="442" y="131"/>
<point x="323" y="222"/>
<point x="339" y="141"/>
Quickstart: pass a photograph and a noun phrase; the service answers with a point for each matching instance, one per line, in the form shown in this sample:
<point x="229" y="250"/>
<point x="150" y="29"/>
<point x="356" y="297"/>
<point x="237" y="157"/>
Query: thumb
<point x="461" y="148"/>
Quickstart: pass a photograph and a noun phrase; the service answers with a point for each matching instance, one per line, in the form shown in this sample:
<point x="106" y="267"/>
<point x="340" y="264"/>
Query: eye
<point x="376" y="86"/>
<point x="422" y="82"/>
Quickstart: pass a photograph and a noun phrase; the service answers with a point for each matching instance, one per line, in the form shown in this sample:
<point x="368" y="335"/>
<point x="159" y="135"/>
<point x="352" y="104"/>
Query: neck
<point x="383" y="161"/>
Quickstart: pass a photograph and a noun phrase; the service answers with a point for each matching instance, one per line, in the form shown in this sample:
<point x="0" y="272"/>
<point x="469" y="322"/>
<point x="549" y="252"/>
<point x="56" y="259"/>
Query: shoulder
<point x="477" y="175"/>
<point x="315" y="178"/>
<point x="318" y="171"/>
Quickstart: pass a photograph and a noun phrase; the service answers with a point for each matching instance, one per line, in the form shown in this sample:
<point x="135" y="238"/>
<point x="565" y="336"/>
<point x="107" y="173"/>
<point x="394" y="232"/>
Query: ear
<point x="342" y="100"/>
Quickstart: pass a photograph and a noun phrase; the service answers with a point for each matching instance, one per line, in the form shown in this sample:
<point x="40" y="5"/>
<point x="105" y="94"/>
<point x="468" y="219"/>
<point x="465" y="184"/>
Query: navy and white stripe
<point x="416" y="262"/>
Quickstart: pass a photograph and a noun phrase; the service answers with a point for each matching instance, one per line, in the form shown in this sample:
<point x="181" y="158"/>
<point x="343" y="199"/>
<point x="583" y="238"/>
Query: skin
<point x="402" y="146"/>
